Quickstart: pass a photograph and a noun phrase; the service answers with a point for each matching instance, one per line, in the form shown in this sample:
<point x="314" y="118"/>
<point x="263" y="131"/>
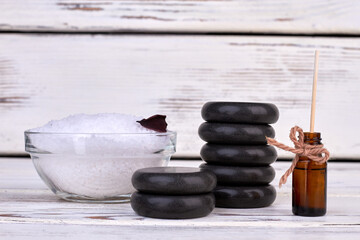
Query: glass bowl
<point x="96" y="167"/>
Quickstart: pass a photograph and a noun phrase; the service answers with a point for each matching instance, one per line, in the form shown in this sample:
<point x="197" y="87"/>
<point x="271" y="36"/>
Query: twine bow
<point x="313" y="152"/>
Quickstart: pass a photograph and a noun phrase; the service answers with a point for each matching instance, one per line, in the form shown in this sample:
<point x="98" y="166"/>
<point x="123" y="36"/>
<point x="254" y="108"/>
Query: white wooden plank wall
<point x="48" y="76"/>
<point x="274" y="16"/>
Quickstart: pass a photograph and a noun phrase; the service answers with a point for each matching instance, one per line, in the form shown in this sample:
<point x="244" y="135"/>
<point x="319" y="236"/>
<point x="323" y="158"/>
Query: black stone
<point x="244" y="196"/>
<point x="173" y="180"/>
<point x="172" y="207"/>
<point x="240" y="112"/>
<point x="238" y="155"/>
<point x="235" y="133"/>
<point x="240" y="176"/>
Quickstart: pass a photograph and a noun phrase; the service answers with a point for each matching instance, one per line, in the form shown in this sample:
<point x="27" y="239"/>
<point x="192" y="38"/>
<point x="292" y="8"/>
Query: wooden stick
<point x="313" y="101"/>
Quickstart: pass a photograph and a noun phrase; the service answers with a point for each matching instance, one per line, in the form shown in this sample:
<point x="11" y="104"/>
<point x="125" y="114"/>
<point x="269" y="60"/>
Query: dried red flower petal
<point x="156" y="123"/>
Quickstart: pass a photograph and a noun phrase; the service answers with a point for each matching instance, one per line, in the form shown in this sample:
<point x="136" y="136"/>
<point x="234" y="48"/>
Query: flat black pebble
<point x="230" y="175"/>
<point x="173" y="180"/>
<point x="240" y="112"/>
<point x="245" y="196"/>
<point x="172" y="207"/>
<point x="235" y="133"/>
<point x="238" y="155"/>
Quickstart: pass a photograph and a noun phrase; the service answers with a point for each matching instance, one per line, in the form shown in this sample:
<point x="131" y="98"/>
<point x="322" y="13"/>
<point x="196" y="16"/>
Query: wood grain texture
<point x="28" y="210"/>
<point x="275" y="16"/>
<point x="46" y="77"/>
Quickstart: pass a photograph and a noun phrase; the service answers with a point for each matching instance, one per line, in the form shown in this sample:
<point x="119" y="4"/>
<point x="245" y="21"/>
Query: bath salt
<point x="95" y="123"/>
<point x="94" y="176"/>
<point x="96" y="155"/>
<point x="104" y="133"/>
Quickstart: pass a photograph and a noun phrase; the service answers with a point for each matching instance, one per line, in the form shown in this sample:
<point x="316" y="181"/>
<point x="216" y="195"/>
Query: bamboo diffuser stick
<point x="313" y="101"/>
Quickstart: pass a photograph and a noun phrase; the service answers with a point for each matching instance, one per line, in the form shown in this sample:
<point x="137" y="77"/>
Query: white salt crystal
<point x="105" y="133"/>
<point x="95" y="123"/>
<point x="96" y="155"/>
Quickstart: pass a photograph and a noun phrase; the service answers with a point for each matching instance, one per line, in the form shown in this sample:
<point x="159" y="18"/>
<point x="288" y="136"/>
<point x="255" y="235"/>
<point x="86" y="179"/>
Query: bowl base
<point x="125" y="198"/>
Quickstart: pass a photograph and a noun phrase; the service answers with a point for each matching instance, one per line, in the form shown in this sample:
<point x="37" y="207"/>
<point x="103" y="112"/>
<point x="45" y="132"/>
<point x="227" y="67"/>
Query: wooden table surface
<point x="28" y="210"/>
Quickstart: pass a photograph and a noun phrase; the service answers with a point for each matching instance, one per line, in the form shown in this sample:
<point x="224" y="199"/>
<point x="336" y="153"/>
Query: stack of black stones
<point x="237" y="152"/>
<point x="173" y="192"/>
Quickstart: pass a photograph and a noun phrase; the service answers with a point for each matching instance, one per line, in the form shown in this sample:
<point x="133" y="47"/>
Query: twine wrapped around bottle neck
<point x="313" y="152"/>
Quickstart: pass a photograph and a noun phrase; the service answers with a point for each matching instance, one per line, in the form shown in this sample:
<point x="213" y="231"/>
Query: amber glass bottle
<point x="309" y="183"/>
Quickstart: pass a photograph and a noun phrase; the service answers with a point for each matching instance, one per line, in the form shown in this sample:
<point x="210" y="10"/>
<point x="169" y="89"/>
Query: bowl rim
<point x="167" y="133"/>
